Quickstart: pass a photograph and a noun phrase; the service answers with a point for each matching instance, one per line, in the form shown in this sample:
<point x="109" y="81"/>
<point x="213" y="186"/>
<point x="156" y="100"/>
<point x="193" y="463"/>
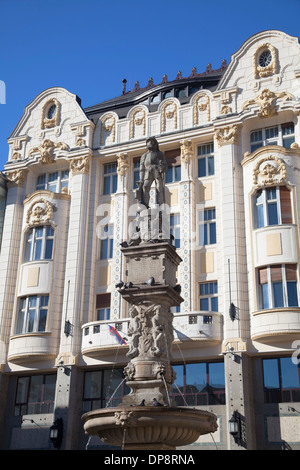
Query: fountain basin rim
<point x="139" y="416"/>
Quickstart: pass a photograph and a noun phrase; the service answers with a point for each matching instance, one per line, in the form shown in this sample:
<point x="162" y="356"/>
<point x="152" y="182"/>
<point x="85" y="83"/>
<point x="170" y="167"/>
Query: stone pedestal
<point x="150" y="290"/>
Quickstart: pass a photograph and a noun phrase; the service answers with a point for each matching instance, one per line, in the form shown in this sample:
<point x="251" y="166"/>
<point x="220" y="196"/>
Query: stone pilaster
<point x="75" y="262"/>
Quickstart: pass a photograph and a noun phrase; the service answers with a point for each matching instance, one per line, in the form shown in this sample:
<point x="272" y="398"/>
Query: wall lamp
<point x="56" y="432"/>
<point x="235" y="427"/>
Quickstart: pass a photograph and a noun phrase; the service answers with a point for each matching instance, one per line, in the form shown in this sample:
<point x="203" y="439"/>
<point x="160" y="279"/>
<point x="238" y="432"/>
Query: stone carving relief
<point x="16" y="176"/>
<point x="49" y="121"/>
<point x="150" y="331"/>
<point x="226" y="109"/>
<point x="186" y="151"/>
<point x="138" y="123"/>
<point x="123" y="164"/>
<point x="168" y="116"/>
<point x="269" y="171"/>
<point x="39" y="212"/>
<point x="80" y="165"/>
<point x="108" y="129"/>
<point x="46" y="150"/>
<point x="16" y="143"/>
<point x="201" y="104"/>
<point x="266" y="102"/>
<point x="124" y="418"/>
<point x="227" y="135"/>
<point x="271" y="68"/>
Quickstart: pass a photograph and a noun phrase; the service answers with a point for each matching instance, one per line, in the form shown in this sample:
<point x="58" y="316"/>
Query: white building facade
<point x="232" y="141"/>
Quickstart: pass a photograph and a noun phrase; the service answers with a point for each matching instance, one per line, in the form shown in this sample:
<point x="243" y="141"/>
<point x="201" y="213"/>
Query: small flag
<point x="114" y="332"/>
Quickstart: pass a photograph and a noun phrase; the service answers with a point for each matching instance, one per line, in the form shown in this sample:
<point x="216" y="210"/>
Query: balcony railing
<point x="193" y="326"/>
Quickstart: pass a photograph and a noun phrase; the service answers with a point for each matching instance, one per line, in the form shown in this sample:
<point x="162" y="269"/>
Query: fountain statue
<point x="147" y="418"/>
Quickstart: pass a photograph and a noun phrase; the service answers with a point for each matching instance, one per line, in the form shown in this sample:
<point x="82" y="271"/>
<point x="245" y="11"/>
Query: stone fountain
<point x="146" y="418"/>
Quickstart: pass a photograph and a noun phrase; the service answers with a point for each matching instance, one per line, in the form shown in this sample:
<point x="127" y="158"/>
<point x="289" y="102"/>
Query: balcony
<point x="273" y="325"/>
<point x="31" y="346"/>
<point x="198" y="326"/>
<point x="98" y="337"/>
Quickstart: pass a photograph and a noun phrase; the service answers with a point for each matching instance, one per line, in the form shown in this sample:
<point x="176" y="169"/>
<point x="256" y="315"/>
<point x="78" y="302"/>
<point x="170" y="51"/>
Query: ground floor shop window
<point x="35" y="394"/>
<point x="199" y="384"/>
<point x="281" y="380"/>
<point x="103" y="388"/>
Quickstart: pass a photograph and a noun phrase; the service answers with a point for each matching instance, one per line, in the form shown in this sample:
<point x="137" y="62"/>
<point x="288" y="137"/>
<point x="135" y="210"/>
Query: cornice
<point x="291" y="152"/>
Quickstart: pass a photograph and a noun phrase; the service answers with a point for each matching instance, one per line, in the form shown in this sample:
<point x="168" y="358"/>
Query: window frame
<point x="205" y="153"/>
<point x="211" y="296"/>
<point x="175" y="228"/>
<point x="280" y="139"/>
<point x="103" y="303"/>
<point x="31" y="242"/>
<point x="207" y="226"/>
<point x="262" y="212"/>
<point x="24" y="407"/>
<point x="35" y="314"/>
<point x="103" y="396"/>
<point x="185" y="393"/>
<point x="106" y="242"/>
<point x="280" y="394"/>
<point x="269" y="292"/>
<point x="110" y="174"/>
<point x="60" y="181"/>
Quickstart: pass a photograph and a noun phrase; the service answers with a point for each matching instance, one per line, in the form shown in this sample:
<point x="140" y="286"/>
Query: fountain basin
<point x="149" y="427"/>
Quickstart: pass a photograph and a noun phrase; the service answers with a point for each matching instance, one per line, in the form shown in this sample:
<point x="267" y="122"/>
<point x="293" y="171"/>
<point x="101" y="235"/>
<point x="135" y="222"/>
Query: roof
<point x="122" y="104"/>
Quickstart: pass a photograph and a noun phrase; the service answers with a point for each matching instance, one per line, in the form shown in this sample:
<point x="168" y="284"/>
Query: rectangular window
<point x="199" y="384"/>
<point x="103" y="388"/>
<point x="136" y="172"/>
<point x="175" y="229"/>
<point x="207" y="227"/>
<point x="208" y="296"/>
<point x="35" y="394"/>
<point x="281" y="380"/>
<point x="273" y="206"/>
<point x="39" y="243"/>
<point x="56" y="182"/>
<point x="110" y="178"/>
<point x="33" y="312"/>
<point x="278" y="286"/>
<point x="206" y="165"/>
<point x="283" y="135"/>
<point x="107" y="242"/>
<point x="103" y="307"/>
<point x="173" y="173"/>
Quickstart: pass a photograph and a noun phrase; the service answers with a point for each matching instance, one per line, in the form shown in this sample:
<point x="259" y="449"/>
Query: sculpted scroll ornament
<point x="169" y="111"/>
<point x="80" y="165"/>
<point x="16" y="176"/>
<point x="269" y="171"/>
<point x="39" y="212"/>
<point x="138" y="118"/>
<point x="123" y="165"/>
<point x="267" y="102"/>
<point x="108" y="126"/>
<point x="46" y="150"/>
<point x="202" y="103"/>
<point x="47" y="123"/>
<point x="227" y="135"/>
<point x="272" y="68"/>
<point x="186" y="151"/>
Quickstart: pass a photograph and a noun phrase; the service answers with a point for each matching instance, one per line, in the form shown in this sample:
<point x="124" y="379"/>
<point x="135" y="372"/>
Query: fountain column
<point x="151" y="290"/>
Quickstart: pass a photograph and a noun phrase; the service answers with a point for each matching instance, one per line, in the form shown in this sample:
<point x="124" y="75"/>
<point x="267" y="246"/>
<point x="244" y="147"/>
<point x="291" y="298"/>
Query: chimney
<point x="124" y="81"/>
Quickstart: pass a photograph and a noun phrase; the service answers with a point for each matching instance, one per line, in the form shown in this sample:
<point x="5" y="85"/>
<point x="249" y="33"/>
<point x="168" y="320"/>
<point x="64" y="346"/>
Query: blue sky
<point x="89" y="46"/>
